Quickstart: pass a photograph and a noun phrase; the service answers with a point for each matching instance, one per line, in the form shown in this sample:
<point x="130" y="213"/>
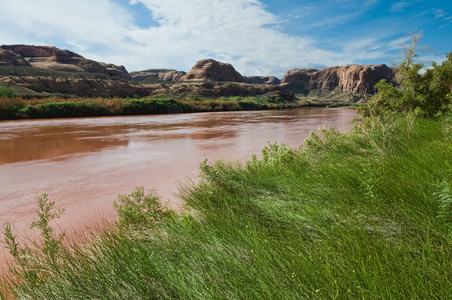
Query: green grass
<point x="357" y="215"/>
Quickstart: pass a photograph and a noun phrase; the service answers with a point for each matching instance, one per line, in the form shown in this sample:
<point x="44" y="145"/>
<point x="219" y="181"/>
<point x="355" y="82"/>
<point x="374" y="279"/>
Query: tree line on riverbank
<point x="13" y="107"/>
<point x="365" y="214"/>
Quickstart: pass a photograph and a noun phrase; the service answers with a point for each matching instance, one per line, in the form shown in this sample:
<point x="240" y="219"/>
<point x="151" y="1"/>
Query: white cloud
<point x="439" y="13"/>
<point x="399" y="6"/>
<point x="239" y="30"/>
<point x="85" y="20"/>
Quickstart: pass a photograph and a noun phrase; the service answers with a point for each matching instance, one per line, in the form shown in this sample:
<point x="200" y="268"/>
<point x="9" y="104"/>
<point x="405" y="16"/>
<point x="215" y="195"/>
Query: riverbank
<point x="361" y="214"/>
<point x="19" y="108"/>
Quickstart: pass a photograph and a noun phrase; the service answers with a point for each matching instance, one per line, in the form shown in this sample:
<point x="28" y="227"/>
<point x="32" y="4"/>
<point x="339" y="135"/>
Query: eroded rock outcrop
<point x="117" y="71"/>
<point x="53" y="58"/>
<point x="75" y="86"/>
<point x="157" y="74"/>
<point x="207" y="89"/>
<point x="212" y="70"/>
<point x="261" y="79"/>
<point x="10" y="58"/>
<point x="349" y="78"/>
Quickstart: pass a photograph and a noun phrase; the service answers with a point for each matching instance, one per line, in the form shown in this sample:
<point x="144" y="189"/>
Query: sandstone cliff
<point x="10" y="58"/>
<point x="262" y="80"/>
<point x="63" y="60"/>
<point x="212" y="70"/>
<point x="117" y="71"/>
<point x="74" y="86"/>
<point x="157" y="74"/>
<point x="208" y="89"/>
<point x="349" y="78"/>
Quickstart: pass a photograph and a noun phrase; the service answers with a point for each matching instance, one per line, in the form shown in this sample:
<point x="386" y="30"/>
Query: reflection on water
<point x="85" y="163"/>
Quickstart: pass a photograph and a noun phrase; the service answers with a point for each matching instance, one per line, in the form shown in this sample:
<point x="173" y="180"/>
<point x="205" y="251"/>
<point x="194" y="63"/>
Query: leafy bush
<point x="444" y="195"/>
<point x="63" y="110"/>
<point x="155" y="106"/>
<point x="7" y="92"/>
<point x="140" y="209"/>
<point x="32" y="261"/>
<point x="421" y="94"/>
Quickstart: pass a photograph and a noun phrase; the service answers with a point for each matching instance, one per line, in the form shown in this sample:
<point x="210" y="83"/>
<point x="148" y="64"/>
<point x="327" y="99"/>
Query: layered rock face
<point x="212" y="70"/>
<point x="161" y="74"/>
<point x="262" y="80"/>
<point x="9" y="58"/>
<point x="349" y="78"/>
<point x="212" y="90"/>
<point x="63" y="60"/>
<point x="117" y="71"/>
<point x="77" y="86"/>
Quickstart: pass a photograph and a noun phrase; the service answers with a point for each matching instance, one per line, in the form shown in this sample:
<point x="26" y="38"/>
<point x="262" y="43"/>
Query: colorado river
<point x="85" y="163"/>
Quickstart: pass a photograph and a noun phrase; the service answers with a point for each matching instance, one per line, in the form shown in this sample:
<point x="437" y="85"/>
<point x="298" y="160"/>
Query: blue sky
<point x="257" y="37"/>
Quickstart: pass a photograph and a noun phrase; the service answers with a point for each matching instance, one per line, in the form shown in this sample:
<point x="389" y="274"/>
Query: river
<point x="84" y="163"/>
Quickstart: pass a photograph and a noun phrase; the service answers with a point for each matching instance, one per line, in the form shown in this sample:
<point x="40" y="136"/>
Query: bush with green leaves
<point x="415" y="92"/>
<point x="31" y="262"/>
<point x="444" y="195"/>
<point x="8" y="92"/>
<point x="154" y="106"/>
<point x="140" y="209"/>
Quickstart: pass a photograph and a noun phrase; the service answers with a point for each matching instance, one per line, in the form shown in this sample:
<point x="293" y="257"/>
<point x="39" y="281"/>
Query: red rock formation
<point x="76" y="86"/>
<point x="117" y="71"/>
<point x="183" y="89"/>
<point x="161" y="74"/>
<point x="9" y="58"/>
<point x="63" y="60"/>
<point x="212" y="70"/>
<point x="350" y="78"/>
<point x="262" y="80"/>
<point x="39" y="51"/>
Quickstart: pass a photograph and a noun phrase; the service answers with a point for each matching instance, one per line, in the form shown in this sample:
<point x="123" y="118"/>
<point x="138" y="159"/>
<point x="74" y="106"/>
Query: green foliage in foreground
<point x="357" y="215"/>
<point x="416" y="93"/>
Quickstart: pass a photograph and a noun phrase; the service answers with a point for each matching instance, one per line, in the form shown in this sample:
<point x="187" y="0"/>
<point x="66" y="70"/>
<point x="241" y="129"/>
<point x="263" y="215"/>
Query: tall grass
<point x="357" y="215"/>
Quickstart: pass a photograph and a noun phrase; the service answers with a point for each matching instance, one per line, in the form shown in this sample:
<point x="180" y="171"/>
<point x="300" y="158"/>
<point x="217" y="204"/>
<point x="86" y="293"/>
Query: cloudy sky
<point x="258" y="37"/>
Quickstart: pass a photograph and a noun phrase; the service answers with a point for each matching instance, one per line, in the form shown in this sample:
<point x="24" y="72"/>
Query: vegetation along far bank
<point x="13" y="107"/>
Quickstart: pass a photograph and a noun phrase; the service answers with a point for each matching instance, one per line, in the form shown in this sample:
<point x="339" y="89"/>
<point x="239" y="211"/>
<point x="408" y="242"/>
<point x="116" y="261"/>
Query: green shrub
<point x="8" y="92"/>
<point x="444" y="195"/>
<point x="154" y="106"/>
<point x="63" y="110"/>
<point x="32" y="262"/>
<point x="421" y="94"/>
<point x="140" y="209"/>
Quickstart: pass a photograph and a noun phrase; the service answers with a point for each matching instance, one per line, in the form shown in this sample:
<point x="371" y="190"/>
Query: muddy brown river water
<point x="84" y="163"/>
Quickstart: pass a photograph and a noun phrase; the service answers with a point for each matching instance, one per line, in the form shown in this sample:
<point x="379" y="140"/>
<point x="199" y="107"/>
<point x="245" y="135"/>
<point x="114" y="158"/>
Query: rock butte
<point x="350" y="78"/>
